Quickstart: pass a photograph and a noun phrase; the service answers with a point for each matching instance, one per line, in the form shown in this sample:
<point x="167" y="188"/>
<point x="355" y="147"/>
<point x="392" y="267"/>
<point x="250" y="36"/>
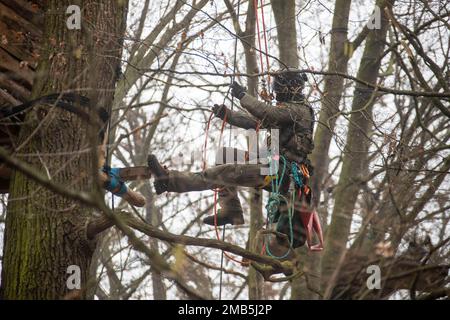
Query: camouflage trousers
<point x="227" y="177"/>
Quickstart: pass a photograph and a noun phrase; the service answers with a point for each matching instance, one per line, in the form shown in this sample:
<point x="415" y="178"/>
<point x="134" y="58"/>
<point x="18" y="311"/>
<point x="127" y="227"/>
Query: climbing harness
<point x="298" y="188"/>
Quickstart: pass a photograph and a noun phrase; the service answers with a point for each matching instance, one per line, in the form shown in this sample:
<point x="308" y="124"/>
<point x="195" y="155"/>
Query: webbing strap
<point x="114" y="184"/>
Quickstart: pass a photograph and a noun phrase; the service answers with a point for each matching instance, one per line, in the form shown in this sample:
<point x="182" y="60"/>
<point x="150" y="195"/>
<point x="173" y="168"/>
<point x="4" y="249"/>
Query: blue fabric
<point x="115" y="185"/>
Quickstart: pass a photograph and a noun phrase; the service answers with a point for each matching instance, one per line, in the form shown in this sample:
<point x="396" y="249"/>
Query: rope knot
<point x="273" y="204"/>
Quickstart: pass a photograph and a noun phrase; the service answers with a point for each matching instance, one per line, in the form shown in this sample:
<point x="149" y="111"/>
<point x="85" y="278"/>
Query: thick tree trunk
<point x="45" y="233"/>
<point x="284" y="13"/>
<point x="333" y="88"/>
<point x="355" y="156"/>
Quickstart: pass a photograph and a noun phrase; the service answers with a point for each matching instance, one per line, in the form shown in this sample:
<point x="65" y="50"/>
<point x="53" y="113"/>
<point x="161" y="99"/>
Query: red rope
<point x="205" y="145"/>
<point x="265" y="94"/>
<point x="216" y="227"/>
<point x="208" y="124"/>
<point x="255" y="3"/>
<point x="263" y="249"/>
<point x="265" y="42"/>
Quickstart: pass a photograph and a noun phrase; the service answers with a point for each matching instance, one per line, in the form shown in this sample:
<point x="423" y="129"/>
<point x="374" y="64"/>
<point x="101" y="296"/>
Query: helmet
<point x="288" y="85"/>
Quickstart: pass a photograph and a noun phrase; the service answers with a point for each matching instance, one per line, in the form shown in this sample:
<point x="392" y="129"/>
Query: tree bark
<point x="46" y="233"/>
<point x="284" y="13"/>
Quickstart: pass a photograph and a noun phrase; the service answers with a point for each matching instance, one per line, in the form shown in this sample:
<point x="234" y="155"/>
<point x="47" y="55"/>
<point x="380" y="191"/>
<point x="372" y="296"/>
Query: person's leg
<point x="230" y="211"/>
<point x="176" y="181"/>
<point x="223" y="177"/>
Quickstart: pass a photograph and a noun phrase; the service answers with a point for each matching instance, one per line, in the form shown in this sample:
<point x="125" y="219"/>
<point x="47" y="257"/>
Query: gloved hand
<point x="237" y="90"/>
<point x="219" y="111"/>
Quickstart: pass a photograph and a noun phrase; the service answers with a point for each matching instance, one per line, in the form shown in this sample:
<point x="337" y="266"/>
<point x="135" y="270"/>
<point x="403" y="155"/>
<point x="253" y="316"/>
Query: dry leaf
<point x="4" y="40"/>
<point x="34" y="7"/>
<point x="384" y="248"/>
<point x="77" y="53"/>
<point x="23" y="64"/>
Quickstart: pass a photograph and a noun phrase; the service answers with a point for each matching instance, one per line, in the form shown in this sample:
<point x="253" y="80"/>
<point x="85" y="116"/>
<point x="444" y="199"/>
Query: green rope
<point x="272" y="208"/>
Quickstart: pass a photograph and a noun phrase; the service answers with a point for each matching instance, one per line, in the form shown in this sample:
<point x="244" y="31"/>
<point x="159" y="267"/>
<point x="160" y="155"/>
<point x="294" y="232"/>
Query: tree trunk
<point x="337" y="62"/>
<point x="46" y="233"/>
<point x="355" y="156"/>
<point x="333" y="88"/>
<point x="284" y="13"/>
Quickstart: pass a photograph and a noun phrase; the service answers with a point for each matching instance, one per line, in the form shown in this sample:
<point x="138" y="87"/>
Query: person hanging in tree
<point x="294" y="118"/>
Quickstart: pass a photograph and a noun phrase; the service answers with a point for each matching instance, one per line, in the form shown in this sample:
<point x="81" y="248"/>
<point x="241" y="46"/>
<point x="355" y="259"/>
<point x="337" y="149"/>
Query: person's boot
<point x="160" y="173"/>
<point x="226" y="216"/>
<point x="231" y="209"/>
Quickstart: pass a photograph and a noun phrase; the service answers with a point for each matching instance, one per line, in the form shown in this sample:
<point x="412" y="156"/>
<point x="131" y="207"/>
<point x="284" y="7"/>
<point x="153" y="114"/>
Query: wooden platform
<point x="21" y="27"/>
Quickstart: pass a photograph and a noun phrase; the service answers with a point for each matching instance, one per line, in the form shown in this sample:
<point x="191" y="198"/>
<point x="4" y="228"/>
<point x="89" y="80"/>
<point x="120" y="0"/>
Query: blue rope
<point x="295" y="173"/>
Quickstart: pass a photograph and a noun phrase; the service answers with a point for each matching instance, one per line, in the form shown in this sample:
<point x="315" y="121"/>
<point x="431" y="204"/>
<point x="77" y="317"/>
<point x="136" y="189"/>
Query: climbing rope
<point x="265" y="94"/>
<point x="273" y="205"/>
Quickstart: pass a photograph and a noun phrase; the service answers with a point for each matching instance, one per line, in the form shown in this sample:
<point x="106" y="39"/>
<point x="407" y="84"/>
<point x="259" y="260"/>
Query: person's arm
<point x="241" y="120"/>
<point x="266" y="112"/>
<point x="235" y="118"/>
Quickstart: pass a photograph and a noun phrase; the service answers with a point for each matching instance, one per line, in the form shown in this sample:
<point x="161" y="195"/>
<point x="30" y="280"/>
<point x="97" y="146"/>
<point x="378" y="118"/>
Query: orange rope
<point x="305" y="170"/>
<point x="264" y="94"/>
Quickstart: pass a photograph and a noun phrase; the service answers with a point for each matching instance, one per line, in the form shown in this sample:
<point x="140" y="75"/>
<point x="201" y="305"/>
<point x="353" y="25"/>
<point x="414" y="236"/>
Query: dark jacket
<point x="294" y="119"/>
